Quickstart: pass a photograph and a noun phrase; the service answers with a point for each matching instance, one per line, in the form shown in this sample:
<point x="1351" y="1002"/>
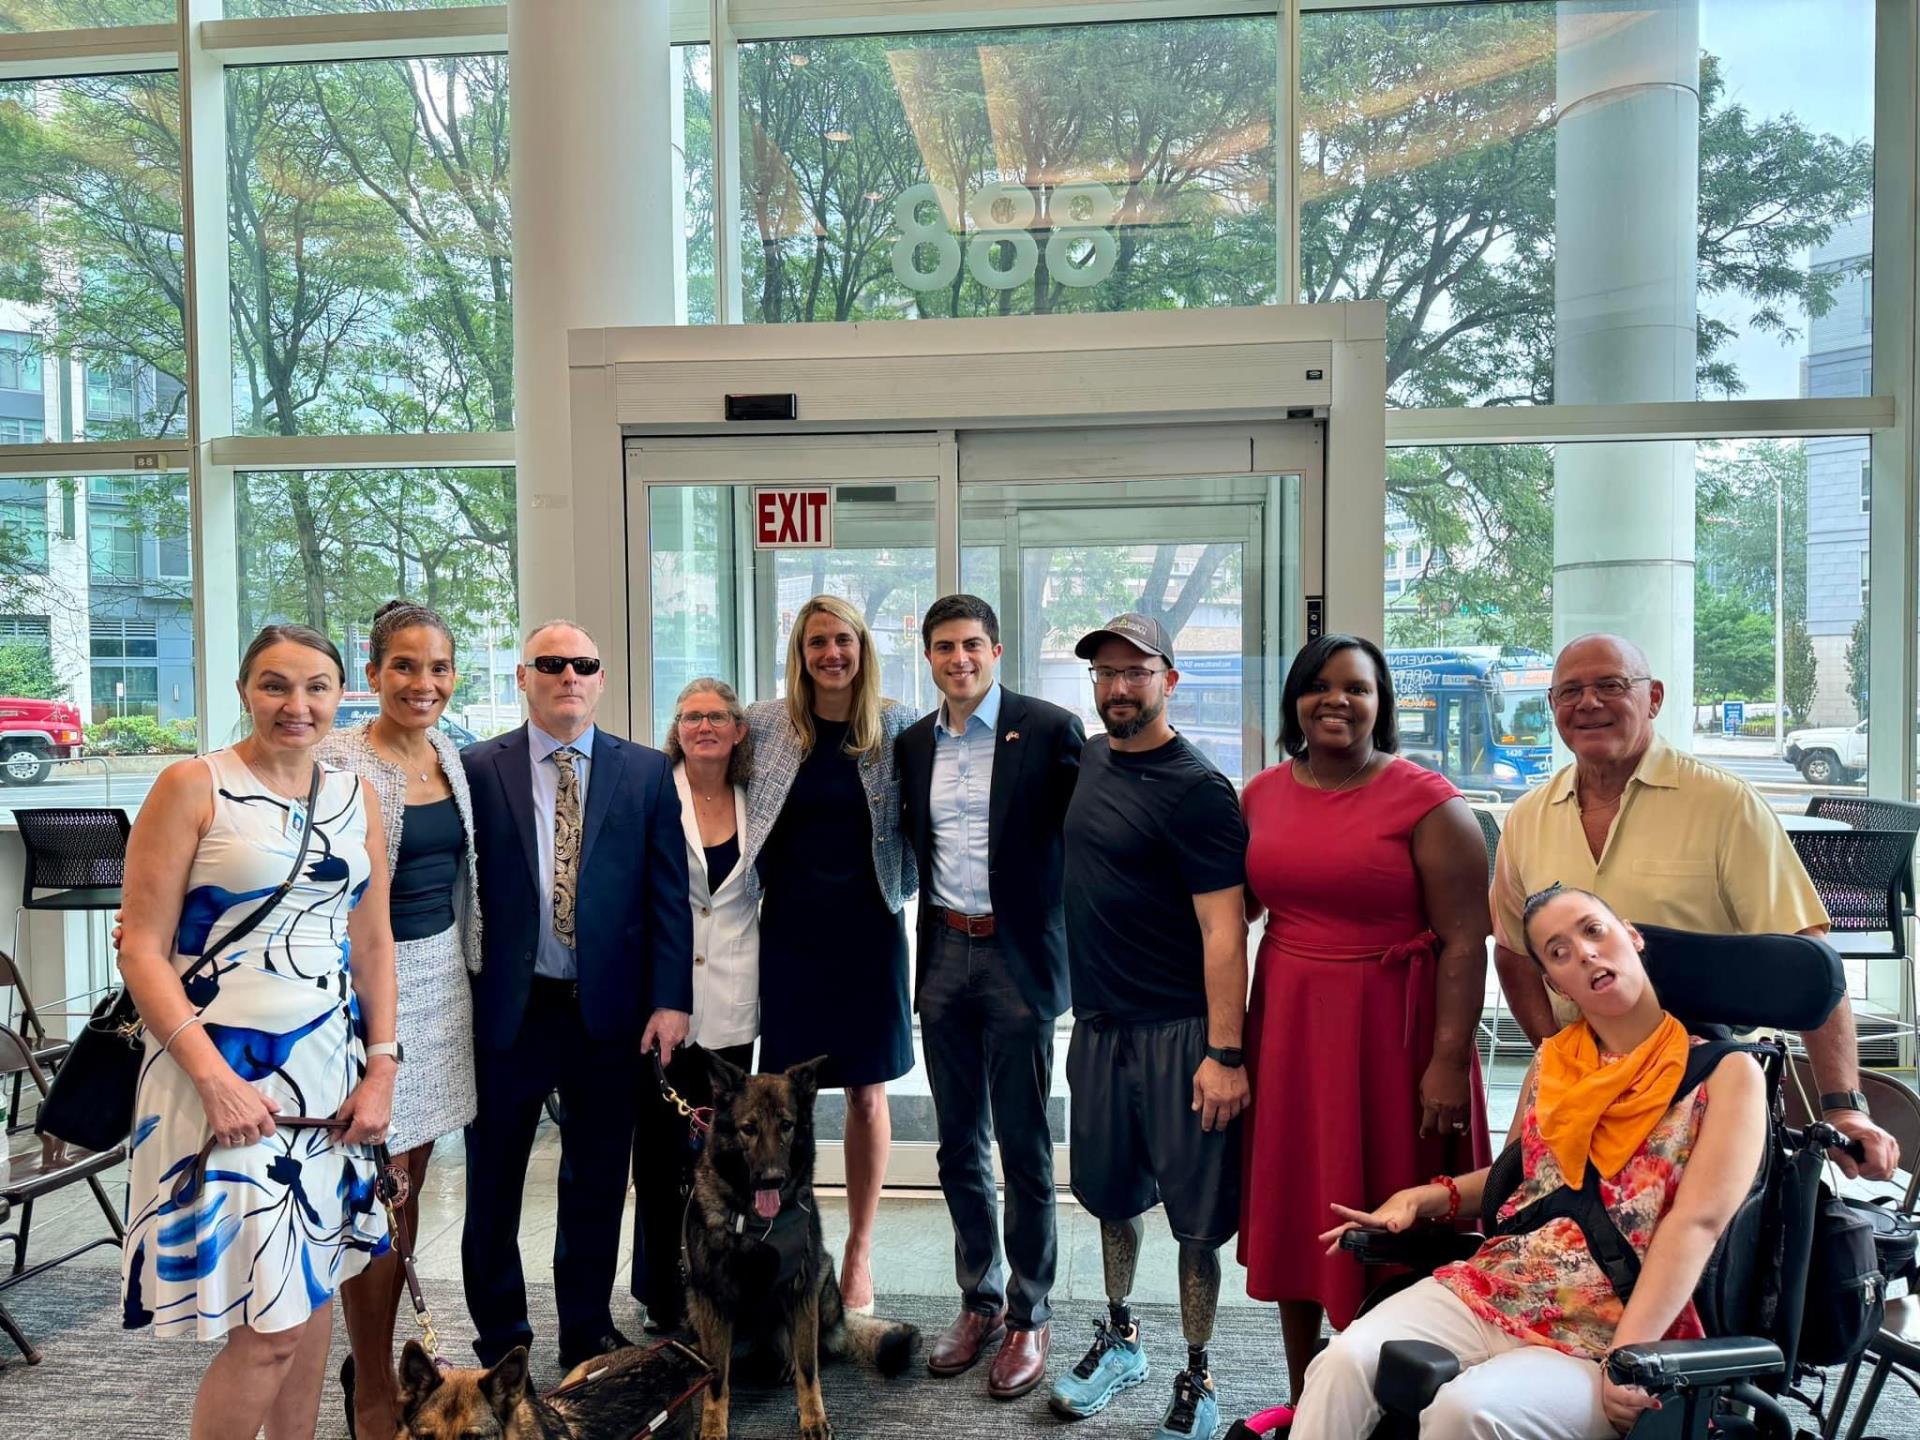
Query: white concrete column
<point x="1626" y="172"/>
<point x="592" y="235"/>
<point x="216" y="557"/>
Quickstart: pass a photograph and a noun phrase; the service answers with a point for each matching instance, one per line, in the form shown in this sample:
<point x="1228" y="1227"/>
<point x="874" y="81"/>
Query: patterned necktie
<point x="566" y="844"/>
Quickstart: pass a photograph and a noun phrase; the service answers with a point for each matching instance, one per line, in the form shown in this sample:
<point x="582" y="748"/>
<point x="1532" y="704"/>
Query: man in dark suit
<point x="985" y="782"/>
<point x="587" y="961"/>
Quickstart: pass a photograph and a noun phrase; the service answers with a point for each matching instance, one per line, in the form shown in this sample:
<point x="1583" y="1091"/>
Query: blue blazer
<point x="633" y="926"/>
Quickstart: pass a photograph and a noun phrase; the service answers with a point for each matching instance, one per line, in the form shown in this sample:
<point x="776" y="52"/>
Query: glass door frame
<point x="1043" y="457"/>
<point x="658" y="463"/>
<point x="955" y="460"/>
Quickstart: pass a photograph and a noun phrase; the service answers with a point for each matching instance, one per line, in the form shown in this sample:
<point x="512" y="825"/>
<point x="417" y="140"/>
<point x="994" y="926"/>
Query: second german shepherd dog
<point x="759" y="1280"/>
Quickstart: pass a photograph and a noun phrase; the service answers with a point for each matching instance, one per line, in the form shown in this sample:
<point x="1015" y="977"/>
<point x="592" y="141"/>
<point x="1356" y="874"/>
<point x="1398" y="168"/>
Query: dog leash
<point x="189" y="1179"/>
<point x="389" y="1188"/>
<point x="699" y="1118"/>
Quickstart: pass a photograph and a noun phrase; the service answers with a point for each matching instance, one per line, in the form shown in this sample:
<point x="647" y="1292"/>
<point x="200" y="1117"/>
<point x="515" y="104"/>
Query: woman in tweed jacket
<point x="824" y="848"/>
<point x="416" y="771"/>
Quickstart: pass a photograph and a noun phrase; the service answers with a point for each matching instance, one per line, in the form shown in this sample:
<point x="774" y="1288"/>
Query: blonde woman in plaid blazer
<point x="824" y="850"/>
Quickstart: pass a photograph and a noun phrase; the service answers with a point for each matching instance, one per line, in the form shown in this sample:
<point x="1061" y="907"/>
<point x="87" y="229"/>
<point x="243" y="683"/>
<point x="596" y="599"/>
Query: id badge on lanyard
<point x="296" y="824"/>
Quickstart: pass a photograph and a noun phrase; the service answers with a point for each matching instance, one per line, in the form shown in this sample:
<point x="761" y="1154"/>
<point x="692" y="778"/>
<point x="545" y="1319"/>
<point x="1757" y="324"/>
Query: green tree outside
<point x="26" y="671"/>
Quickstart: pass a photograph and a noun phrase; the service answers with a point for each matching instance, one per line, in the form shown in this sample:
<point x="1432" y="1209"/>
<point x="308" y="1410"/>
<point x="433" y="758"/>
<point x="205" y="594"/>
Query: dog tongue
<point x="766" y="1203"/>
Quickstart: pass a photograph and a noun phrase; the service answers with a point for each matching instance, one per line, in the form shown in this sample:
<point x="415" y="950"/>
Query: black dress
<point x="833" y="957"/>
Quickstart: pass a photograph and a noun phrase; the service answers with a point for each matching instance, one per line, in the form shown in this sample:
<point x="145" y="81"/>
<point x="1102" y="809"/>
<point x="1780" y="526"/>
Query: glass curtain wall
<point x="1044" y="170"/>
<point x="1464" y="163"/>
<point x="368" y="273"/>
<point x="1539" y="238"/>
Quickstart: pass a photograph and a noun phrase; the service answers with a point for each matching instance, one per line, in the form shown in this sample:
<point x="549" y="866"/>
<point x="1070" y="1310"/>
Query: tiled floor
<point x="913" y="1246"/>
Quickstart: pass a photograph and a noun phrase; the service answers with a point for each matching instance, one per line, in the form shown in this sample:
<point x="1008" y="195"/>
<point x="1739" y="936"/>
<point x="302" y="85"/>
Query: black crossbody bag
<point x="90" y="1103"/>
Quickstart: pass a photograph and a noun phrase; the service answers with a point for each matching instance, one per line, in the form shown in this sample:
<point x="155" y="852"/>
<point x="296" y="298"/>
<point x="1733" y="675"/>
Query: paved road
<point x="1783" y="786"/>
<point x="1757" y="769"/>
<point x="79" y="785"/>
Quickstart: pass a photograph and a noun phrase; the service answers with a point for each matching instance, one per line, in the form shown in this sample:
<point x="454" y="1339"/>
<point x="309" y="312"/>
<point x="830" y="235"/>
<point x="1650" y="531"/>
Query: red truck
<point x="33" y="734"/>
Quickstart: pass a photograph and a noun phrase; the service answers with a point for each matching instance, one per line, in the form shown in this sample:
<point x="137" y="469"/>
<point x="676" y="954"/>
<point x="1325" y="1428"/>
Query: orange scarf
<point x="1587" y="1108"/>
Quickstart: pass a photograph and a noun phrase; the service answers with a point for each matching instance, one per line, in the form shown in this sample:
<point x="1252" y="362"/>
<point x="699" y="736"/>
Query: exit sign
<point x="793" y="519"/>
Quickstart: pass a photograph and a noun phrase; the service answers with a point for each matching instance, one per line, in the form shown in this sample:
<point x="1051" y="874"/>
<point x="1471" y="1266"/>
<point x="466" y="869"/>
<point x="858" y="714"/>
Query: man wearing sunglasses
<point x="1664" y="839"/>
<point x="587" y="962"/>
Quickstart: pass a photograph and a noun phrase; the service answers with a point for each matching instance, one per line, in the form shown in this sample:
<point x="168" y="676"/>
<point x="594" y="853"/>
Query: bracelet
<point x="193" y="1019"/>
<point x="1453" y="1197"/>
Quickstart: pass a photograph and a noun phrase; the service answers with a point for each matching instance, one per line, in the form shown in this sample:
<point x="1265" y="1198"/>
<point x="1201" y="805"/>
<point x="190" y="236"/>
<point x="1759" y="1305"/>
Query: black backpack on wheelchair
<point x="1752" y="1294"/>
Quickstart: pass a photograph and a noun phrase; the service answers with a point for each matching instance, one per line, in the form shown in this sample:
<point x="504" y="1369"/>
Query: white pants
<point x="1506" y="1390"/>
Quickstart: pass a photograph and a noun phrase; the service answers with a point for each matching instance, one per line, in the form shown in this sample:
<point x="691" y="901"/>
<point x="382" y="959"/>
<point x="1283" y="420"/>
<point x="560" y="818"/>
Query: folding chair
<point x="44" y="1169"/>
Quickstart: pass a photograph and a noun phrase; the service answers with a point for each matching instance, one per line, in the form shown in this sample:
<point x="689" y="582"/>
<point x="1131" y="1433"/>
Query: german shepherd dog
<point x="760" y="1284"/>
<point x="613" y="1397"/>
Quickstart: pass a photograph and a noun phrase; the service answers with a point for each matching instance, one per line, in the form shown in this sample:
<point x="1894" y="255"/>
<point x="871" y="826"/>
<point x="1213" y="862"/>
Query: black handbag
<point x="1896" y="1239"/>
<point x="90" y="1103"/>
<point x="1846" y="1301"/>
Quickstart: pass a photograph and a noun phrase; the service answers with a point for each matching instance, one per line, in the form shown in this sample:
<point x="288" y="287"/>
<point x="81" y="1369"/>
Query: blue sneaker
<point x="1195" y="1411"/>
<point x="1112" y="1365"/>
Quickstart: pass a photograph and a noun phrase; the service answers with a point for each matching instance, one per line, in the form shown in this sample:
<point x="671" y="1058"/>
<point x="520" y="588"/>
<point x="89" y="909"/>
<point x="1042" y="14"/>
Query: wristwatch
<point x="1227" y="1055"/>
<point x="1845" y="1100"/>
<point x="390" y="1048"/>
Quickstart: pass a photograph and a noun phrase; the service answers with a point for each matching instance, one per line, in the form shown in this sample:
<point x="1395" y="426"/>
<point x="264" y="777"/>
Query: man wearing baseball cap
<point x="1157" y="951"/>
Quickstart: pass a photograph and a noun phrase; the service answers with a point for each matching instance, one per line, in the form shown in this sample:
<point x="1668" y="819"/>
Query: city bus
<point x="1477" y="714"/>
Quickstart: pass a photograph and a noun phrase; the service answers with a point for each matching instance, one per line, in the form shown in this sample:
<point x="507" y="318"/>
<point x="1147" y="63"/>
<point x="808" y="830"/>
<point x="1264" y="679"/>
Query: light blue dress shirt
<point x="957" y="803"/>
<point x="552" y="959"/>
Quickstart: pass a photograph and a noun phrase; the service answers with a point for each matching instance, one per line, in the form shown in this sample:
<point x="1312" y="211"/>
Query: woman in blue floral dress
<point x="250" y="1242"/>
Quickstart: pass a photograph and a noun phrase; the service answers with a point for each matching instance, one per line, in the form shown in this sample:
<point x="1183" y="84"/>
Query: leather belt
<point x="977" y="926"/>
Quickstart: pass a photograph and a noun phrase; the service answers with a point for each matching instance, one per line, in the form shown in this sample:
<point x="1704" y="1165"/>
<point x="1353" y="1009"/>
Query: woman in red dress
<point x="1368" y="986"/>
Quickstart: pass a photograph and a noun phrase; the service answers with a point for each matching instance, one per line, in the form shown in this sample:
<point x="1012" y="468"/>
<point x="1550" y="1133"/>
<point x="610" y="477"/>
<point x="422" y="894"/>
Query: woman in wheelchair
<point x="1532" y="1315"/>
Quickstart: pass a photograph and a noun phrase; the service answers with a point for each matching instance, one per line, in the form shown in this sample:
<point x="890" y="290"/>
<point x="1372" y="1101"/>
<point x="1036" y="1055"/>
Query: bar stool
<point x="76" y="861"/>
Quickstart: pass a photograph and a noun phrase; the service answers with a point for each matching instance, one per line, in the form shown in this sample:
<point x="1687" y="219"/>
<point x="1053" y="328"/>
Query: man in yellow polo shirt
<point x="1666" y="840"/>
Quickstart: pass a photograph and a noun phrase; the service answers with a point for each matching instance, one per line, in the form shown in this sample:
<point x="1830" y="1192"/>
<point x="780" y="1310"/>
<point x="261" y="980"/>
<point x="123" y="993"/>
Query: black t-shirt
<point x="1146" y="832"/>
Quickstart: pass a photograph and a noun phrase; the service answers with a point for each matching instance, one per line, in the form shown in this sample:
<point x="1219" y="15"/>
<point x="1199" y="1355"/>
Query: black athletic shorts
<point x="1136" y="1137"/>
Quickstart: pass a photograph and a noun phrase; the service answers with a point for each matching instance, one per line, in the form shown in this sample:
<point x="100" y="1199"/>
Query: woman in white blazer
<point x="712" y="756"/>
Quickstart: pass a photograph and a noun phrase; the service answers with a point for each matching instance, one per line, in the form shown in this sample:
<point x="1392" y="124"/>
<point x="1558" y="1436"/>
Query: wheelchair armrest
<point x="1411" y="1373"/>
<point x="1666" y="1365"/>
<point x="1424" y="1248"/>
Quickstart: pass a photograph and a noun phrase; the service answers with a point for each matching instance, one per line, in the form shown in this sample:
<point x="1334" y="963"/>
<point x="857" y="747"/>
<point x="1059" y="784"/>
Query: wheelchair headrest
<point x="1788" y="982"/>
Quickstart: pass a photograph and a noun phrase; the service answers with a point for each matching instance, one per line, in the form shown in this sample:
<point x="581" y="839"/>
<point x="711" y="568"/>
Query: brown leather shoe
<point x="1021" y="1363"/>
<point x="959" y="1345"/>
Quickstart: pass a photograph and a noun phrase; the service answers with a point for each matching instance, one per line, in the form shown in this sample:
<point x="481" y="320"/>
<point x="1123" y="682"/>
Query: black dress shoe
<point x="346" y="1386"/>
<point x="578" y="1352"/>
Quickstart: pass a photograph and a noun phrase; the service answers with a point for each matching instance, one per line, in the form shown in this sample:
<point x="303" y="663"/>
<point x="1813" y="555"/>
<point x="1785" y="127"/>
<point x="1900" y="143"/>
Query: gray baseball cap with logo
<point x="1141" y="631"/>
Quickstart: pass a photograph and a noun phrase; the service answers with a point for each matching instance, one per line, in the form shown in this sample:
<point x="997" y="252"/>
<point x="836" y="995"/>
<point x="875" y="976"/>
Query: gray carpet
<point x="97" y="1380"/>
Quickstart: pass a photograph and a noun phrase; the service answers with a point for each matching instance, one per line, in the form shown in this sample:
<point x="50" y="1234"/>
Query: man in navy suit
<point x="984" y="784"/>
<point x="587" y="962"/>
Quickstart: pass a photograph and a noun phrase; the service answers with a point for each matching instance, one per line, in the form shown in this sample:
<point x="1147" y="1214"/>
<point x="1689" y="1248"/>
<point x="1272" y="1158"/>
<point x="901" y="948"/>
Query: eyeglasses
<point x="1134" y="675"/>
<point x="1607" y="687"/>
<point x="694" y="719"/>
<point x="583" y="665"/>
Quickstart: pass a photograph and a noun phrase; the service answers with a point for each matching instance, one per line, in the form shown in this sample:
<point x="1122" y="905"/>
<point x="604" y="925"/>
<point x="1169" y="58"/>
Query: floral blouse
<point x="1544" y="1288"/>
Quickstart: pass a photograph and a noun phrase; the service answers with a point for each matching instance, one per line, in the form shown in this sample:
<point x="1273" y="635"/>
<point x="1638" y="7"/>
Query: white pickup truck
<point x="1831" y="755"/>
